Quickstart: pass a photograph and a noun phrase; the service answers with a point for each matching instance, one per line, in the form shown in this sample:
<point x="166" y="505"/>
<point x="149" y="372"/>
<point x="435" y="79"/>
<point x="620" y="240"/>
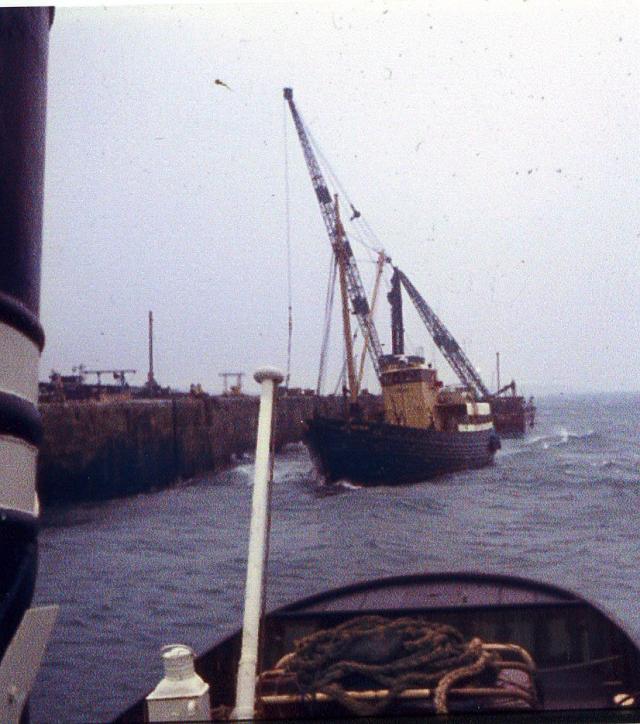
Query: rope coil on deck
<point x="392" y="655"/>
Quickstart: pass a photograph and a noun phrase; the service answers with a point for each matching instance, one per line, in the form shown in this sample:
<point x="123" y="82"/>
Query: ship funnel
<point x="181" y="695"/>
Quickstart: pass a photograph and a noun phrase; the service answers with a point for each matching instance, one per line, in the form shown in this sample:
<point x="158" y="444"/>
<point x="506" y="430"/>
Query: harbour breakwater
<point x="99" y="450"/>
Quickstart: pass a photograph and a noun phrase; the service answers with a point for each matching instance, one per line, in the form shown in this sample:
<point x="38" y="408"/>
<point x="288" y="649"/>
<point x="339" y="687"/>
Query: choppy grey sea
<point x="560" y="505"/>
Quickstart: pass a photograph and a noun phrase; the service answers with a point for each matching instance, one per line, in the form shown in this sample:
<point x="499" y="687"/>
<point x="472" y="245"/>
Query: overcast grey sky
<point x="492" y="147"/>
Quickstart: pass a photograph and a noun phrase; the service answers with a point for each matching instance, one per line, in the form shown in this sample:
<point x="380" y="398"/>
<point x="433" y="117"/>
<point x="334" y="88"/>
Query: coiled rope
<point x="394" y="655"/>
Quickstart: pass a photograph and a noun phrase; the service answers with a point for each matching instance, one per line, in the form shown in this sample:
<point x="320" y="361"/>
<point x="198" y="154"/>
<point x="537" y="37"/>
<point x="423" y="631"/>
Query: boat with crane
<point x="423" y="429"/>
<point x="511" y="412"/>
<point x="511" y="415"/>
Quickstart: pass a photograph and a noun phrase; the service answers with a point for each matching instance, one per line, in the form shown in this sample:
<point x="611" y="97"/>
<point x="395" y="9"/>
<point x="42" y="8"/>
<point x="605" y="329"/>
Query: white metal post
<point x="269" y="378"/>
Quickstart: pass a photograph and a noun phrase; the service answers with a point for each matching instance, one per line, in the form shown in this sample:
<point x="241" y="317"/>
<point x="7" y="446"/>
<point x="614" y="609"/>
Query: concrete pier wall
<point x="98" y="450"/>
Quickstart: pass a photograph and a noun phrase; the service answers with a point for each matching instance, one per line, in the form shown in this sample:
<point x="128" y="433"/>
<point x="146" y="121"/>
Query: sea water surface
<point x="560" y="505"/>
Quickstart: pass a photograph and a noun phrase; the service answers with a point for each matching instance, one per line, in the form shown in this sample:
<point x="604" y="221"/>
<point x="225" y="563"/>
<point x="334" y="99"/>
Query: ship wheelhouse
<point x="409" y="391"/>
<point x="413" y="396"/>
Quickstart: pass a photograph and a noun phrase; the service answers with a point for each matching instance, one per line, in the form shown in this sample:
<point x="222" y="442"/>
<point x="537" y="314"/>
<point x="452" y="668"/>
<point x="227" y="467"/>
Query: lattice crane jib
<point x="444" y="340"/>
<point x="339" y="240"/>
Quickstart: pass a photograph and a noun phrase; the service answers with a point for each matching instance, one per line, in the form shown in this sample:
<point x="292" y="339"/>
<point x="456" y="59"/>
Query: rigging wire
<point x="362" y="233"/>
<point x="328" y="311"/>
<point x="359" y="229"/>
<point x="330" y="172"/>
<point x="343" y="372"/>
<point x="341" y="376"/>
<point x="288" y="237"/>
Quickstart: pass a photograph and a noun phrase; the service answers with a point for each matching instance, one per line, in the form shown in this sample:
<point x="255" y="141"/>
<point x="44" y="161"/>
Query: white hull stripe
<point x="19" y="360"/>
<point x="18" y="475"/>
<point x="475" y="428"/>
<point x="478" y="408"/>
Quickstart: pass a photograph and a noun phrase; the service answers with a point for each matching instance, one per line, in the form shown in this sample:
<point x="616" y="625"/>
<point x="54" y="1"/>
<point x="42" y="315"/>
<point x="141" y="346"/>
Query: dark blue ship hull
<point x="376" y="453"/>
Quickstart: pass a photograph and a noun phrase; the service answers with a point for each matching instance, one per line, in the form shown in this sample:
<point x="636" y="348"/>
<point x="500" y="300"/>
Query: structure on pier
<point x="232" y="389"/>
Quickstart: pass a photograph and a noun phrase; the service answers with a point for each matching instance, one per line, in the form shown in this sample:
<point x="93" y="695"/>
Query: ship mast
<point x="346" y="321"/>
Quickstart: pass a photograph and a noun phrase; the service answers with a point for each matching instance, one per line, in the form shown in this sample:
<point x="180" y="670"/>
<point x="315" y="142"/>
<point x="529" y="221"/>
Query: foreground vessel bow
<point x="576" y="657"/>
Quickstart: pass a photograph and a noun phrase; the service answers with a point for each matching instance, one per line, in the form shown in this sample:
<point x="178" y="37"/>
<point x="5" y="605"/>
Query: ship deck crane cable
<point x="382" y="257"/>
<point x="451" y="350"/>
<point x="287" y="196"/>
<point x="343" y="369"/>
<point x="328" y="312"/>
<point x="360" y="229"/>
<point x="380" y="264"/>
<point x="359" y="226"/>
<point x="339" y="243"/>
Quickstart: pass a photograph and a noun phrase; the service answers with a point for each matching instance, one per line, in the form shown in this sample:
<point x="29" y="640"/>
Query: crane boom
<point x="382" y="260"/>
<point x="445" y="342"/>
<point x="339" y="241"/>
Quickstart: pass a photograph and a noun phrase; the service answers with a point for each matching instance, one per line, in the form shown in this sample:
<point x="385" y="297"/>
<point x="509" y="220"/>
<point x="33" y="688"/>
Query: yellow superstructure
<point x="410" y="392"/>
<point x="413" y="396"/>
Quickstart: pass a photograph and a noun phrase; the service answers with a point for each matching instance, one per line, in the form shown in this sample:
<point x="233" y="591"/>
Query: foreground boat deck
<point x="584" y="659"/>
